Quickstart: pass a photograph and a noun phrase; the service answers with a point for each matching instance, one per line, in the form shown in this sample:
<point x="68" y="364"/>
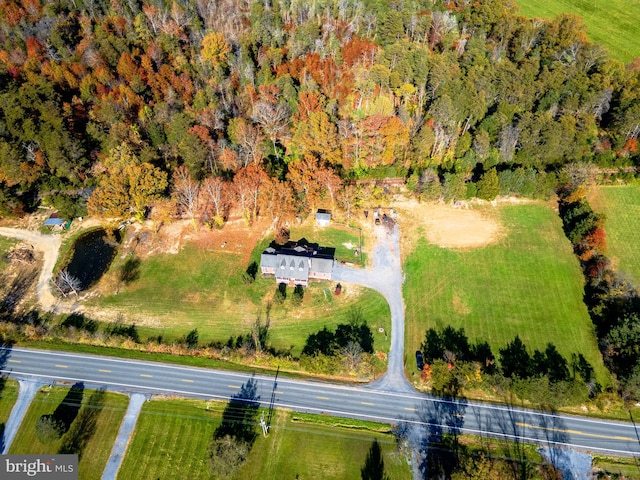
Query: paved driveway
<point x="385" y="277"/>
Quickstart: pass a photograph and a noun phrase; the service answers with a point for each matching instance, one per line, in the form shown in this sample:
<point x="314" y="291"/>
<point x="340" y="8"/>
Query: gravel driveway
<point x="385" y="277"/>
<point x="49" y="245"/>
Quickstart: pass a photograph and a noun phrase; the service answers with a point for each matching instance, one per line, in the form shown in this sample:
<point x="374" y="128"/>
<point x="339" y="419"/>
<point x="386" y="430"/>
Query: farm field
<point x="198" y="288"/>
<point x="528" y="283"/>
<point x="621" y="208"/>
<point x="91" y="434"/>
<point x="178" y="449"/>
<point x="612" y="23"/>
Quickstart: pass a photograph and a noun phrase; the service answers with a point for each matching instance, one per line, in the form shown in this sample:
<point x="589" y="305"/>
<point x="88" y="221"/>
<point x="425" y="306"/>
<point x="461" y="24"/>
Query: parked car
<point x="419" y="360"/>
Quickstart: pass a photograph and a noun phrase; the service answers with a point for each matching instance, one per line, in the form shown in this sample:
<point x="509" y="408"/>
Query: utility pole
<point x="273" y="398"/>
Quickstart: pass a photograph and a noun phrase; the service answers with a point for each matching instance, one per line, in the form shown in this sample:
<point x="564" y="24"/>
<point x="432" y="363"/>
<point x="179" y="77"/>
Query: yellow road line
<point x="577" y="432"/>
<point x="61" y="366"/>
<point x="188" y="381"/>
<point x="104" y="371"/>
<point x="145" y="375"/>
<point x="15" y="361"/>
<point x="410" y="409"/>
<point x="234" y="386"/>
<point x="322" y="398"/>
<point x="367" y="403"/>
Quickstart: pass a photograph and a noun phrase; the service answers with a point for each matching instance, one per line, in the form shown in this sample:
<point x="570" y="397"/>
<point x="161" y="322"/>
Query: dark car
<point x="419" y="360"/>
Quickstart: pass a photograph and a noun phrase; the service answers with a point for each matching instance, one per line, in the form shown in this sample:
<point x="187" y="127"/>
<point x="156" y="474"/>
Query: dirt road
<point x="49" y="245"/>
<point x="386" y="277"/>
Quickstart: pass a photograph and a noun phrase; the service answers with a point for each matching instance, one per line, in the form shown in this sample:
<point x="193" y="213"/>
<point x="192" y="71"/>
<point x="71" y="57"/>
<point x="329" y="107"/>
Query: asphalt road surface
<point x="315" y="397"/>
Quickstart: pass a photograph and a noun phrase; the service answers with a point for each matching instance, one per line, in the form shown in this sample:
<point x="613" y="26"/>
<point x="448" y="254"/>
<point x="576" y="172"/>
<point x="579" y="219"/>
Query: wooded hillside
<point x="275" y="106"/>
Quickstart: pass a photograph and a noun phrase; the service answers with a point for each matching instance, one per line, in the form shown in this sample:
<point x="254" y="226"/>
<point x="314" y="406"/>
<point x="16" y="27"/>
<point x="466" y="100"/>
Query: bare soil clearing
<point x="460" y="227"/>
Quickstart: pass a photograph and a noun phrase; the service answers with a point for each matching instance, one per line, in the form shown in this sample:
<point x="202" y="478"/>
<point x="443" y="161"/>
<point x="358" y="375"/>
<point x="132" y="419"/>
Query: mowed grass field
<point x="205" y="290"/>
<point x="97" y="449"/>
<point x="612" y="23"/>
<point x="8" y="397"/>
<point x="621" y="208"/>
<point x="172" y="437"/>
<point x="528" y="284"/>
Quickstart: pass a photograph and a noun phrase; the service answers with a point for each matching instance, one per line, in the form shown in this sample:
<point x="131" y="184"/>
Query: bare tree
<point x="274" y="120"/>
<point x="67" y="283"/>
<point x="352" y="355"/>
<point x="186" y="191"/>
<point x="216" y="195"/>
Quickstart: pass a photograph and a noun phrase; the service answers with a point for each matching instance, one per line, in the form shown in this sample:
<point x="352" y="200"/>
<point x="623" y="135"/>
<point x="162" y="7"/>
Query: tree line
<point x="612" y="300"/>
<point x="452" y="363"/>
<point x="190" y="107"/>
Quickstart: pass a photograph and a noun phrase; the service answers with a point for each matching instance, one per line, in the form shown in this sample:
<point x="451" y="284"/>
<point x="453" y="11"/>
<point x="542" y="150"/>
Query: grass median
<point x="91" y="434"/>
<point x="172" y="437"/>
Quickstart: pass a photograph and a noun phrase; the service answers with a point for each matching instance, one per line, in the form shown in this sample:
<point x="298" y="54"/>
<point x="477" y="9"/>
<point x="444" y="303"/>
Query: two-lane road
<point x="316" y="397"/>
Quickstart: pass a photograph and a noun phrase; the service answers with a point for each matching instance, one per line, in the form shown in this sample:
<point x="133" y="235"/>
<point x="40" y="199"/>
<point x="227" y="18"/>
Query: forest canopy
<point x="276" y="106"/>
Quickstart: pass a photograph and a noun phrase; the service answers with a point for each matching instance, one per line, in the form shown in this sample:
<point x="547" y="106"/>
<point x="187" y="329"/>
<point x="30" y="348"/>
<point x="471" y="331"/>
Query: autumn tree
<point x="318" y="136"/>
<point x="215" y="195"/>
<point x="215" y="49"/>
<point x="249" y="183"/>
<point x="146" y="184"/>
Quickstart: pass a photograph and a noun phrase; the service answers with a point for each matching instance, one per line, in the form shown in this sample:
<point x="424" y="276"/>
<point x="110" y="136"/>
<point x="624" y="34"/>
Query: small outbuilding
<point x="55" y="222"/>
<point x="323" y="218"/>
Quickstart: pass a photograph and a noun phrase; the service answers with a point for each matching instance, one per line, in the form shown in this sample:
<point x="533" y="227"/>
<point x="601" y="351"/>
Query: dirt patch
<point x="236" y="238"/>
<point x="460" y="306"/>
<point x="461" y="227"/>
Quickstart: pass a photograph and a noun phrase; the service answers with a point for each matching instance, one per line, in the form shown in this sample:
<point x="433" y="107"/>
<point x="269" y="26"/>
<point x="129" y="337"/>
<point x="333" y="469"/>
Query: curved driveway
<point x="49" y="245"/>
<point x="386" y="278"/>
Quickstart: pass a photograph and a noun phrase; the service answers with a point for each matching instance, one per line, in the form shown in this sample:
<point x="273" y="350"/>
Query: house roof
<point x="322" y="265"/>
<point x="268" y="259"/>
<point x="296" y="261"/>
<point x="292" y="267"/>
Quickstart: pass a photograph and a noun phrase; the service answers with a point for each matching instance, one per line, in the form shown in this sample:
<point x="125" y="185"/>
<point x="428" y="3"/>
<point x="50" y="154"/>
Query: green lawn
<point x="171" y="440"/>
<point x="621" y="208"/>
<point x="612" y="23"/>
<point x="343" y="239"/>
<point x="297" y="448"/>
<point x="528" y="284"/>
<point x="172" y="437"/>
<point x="99" y="439"/>
<point x="8" y="396"/>
<point x="204" y="290"/>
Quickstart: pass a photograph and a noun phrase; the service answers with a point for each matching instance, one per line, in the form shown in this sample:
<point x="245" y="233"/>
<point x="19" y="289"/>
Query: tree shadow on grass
<point x="233" y="439"/>
<point x="239" y="418"/>
<point x="84" y="426"/>
<point x="130" y="270"/>
<point x="51" y="427"/>
<point x="373" y="468"/>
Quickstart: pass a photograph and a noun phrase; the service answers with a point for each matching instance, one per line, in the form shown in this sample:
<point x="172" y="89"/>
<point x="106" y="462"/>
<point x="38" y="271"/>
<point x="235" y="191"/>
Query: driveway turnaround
<point x="386" y="278"/>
